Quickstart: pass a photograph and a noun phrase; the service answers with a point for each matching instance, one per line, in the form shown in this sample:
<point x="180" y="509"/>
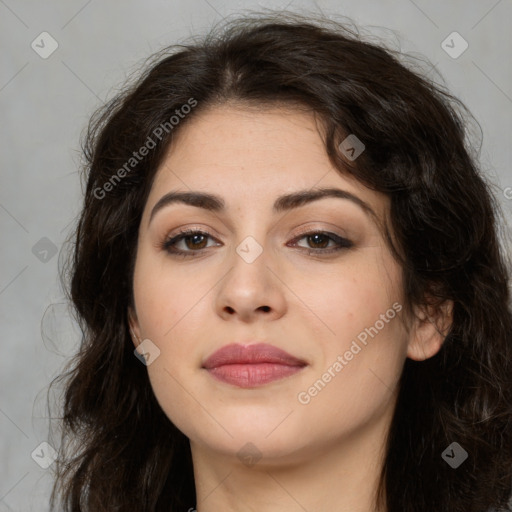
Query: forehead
<point x="250" y="155"/>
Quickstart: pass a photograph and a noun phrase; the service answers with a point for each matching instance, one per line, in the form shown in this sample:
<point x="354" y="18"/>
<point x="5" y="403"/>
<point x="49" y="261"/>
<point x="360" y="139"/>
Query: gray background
<point x="45" y="104"/>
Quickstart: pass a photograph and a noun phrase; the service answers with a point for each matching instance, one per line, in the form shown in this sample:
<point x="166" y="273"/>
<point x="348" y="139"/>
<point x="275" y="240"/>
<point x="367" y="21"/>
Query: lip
<point x="252" y="365"/>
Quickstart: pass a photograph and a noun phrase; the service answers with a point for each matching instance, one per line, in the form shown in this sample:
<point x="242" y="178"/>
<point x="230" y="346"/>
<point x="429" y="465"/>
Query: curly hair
<point x="443" y="214"/>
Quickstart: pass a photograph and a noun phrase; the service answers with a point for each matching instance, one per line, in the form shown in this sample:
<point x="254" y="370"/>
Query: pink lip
<point x="252" y="365"/>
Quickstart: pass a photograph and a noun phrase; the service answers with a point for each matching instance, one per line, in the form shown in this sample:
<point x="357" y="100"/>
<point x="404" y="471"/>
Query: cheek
<point x="356" y="382"/>
<point x="165" y="295"/>
<point x="341" y="302"/>
<point x="360" y="312"/>
<point x="171" y="309"/>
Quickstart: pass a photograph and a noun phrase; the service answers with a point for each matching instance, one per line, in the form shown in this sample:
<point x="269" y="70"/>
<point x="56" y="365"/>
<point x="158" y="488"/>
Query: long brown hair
<point x="119" y="451"/>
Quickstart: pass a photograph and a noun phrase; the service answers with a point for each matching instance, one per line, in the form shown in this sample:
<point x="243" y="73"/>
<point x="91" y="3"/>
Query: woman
<point x="287" y="226"/>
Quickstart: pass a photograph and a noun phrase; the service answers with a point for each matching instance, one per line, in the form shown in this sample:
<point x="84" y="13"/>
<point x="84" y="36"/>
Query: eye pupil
<point x="196" y="241"/>
<point x="320" y="236"/>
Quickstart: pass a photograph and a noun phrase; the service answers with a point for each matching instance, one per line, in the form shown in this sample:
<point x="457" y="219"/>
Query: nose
<point x="251" y="291"/>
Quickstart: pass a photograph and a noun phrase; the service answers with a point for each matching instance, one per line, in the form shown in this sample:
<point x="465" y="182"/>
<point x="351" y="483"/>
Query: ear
<point x="430" y="327"/>
<point x="133" y="324"/>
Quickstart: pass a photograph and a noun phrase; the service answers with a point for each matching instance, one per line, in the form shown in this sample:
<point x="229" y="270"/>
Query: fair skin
<point x="322" y="455"/>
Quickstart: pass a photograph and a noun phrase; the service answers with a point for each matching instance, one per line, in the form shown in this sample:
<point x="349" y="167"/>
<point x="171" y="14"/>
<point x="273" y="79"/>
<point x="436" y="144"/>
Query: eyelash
<point x="167" y="245"/>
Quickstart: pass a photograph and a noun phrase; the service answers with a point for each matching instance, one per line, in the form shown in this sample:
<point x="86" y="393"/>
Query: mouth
<point x="249" y="366"/>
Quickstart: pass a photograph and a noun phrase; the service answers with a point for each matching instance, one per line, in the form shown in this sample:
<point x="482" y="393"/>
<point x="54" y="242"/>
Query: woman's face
<point x="250" y="279"/>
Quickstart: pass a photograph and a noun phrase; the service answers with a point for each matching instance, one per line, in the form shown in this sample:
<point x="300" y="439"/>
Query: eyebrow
<point x="283" y="203"/>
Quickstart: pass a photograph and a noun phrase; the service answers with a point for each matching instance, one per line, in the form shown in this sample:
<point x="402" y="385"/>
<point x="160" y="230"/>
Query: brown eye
<point x="196" y="241"/>
<point x="318" y="242"/>
<point x="191" y="241"/>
